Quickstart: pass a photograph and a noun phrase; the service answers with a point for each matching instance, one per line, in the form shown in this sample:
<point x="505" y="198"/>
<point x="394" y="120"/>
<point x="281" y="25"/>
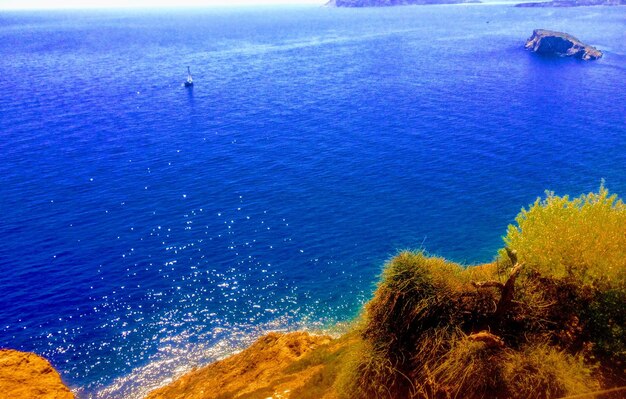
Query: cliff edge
<point x="276" y="366"/>
<point x="545" y="320"/>
<point x="561" y="44"/>
<point x="28" y="376"/>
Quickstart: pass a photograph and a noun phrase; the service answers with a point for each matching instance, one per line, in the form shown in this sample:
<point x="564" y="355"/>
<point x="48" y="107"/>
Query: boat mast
<point x="189" y="81"/>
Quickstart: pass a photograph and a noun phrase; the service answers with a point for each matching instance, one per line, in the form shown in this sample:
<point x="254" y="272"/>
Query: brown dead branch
<point x="508" y="292"/>
<point x="507" y="289"/>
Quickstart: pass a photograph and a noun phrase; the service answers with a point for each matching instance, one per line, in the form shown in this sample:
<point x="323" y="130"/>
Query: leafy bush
<point x="582" y="238"/>
<point x="575" y="255"/>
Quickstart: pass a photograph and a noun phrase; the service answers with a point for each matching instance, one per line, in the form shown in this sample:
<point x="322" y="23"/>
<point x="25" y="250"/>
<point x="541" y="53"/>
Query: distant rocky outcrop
<point x="28" y="376"/>
<point x="561" y="44"/>
<point x="390" y="3"/>
<point x="573" y="3"/>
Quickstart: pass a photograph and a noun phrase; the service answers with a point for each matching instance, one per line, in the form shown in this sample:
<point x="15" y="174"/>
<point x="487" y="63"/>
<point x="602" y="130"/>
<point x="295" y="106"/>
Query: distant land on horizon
<point x="391" y="3"/>
<point x="573" y="3"/>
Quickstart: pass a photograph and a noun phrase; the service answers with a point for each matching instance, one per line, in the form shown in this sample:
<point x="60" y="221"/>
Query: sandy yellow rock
<point x="257" y="372"/>
<point x="28" y="376"/>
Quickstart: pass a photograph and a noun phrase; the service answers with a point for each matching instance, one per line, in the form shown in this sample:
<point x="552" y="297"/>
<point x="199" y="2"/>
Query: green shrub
<point x="607" y="322"/>
<point x="575" y="271"/>
<point x="582" y="238"/>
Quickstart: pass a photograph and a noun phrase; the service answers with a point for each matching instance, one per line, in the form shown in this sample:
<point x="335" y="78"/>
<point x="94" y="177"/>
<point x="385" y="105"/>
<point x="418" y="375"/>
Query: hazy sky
<point x="48" y="4"/>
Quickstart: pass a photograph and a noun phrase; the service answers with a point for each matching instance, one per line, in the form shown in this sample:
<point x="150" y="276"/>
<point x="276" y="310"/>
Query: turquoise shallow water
<point x="147" y="228"/>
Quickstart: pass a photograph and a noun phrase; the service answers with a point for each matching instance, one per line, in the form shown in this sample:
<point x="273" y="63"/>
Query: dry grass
<point x="367" y="373"/>
<point x="540" y="371"/>
<point x="415" y="319"/>
<point x="469" y="369"/>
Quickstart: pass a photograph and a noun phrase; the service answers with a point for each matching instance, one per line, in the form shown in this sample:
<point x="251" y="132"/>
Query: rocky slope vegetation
<point x="275" y="366"/>
<point x="545" y="320"/>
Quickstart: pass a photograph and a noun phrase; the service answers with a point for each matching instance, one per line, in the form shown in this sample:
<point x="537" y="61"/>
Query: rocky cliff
<point x="28" y="376"/>
<point x="561" y="44"/>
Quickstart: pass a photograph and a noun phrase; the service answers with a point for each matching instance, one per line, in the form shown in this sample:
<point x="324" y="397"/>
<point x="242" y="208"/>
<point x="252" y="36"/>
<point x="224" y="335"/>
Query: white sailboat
<point x="189" y="81"/>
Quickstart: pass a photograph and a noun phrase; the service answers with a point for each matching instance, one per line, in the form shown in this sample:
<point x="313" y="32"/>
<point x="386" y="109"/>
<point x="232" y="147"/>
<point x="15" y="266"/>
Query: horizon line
<point x="151" y="5"/>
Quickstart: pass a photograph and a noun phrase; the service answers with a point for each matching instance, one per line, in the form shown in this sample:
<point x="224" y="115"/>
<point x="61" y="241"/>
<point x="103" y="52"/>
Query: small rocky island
<point x="390" y="3"/>
<point x="573" y="3"/>
<point x="561" y="44"/>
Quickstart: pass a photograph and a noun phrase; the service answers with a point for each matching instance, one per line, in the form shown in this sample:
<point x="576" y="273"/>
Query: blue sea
<point x="147" y="228"/>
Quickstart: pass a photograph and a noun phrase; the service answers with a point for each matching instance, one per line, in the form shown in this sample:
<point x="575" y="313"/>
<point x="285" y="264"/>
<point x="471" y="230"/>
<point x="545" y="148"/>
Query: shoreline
<point x="163" y="371"/>
<point x="264" y="369"/>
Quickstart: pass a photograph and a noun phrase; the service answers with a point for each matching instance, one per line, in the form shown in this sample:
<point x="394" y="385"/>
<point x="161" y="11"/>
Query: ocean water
<point x="146" y="228"/>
